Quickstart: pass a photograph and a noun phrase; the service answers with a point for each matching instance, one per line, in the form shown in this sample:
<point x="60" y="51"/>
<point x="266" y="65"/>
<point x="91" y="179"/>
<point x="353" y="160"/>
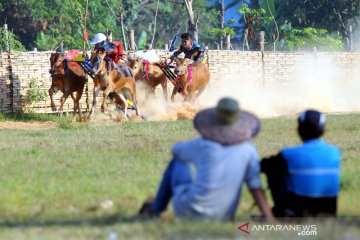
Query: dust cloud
<point x="318" y="83"/>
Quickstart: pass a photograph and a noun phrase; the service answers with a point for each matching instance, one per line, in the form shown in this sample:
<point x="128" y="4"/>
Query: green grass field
<point x="54" y="181"/>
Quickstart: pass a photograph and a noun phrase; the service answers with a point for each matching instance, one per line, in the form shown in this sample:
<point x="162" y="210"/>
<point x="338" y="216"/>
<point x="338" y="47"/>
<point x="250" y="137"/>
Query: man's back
<point x="313" y="169"/>
<point x="220" y="172"/>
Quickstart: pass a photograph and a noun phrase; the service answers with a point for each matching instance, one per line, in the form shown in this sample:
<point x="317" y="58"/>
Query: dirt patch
<point x="28" y="125"/>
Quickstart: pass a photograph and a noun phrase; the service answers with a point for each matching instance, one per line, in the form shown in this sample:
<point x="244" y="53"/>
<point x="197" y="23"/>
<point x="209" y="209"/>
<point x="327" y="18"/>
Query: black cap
<point x="312" y="119"/>
<point x="186" y="36"/>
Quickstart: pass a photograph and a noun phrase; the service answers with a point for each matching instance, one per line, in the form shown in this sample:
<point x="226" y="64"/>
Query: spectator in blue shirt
<point x="305" y="180"/>
<point x="224" y="157"/>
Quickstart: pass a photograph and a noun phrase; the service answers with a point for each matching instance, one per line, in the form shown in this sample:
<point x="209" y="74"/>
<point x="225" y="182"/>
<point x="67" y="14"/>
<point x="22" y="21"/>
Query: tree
<point x="308" y="38"/>
<point x="14" y="43"/>
<point x="251" y="18"/>
<point x="332" y="15"/>
<point x="43" y="23"/>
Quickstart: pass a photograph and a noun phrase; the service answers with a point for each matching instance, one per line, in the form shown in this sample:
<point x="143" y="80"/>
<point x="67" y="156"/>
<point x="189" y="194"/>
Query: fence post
<point x="274" y="40"/>
<point x="7" y="37"/>
<point x="228" y="43"/>
<point x="262" y="40"/>
<point x="109" y="35"/>
<point x="132" y="40"/>
<point x="351" y="42"/>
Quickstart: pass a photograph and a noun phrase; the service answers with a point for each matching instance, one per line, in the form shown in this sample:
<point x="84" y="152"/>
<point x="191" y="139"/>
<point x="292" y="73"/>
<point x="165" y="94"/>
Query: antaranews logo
<point x="300" y="229"/>
<point x="244" y="228"/>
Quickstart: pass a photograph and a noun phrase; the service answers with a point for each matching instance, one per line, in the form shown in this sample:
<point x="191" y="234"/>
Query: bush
<point x="36" y="93"/>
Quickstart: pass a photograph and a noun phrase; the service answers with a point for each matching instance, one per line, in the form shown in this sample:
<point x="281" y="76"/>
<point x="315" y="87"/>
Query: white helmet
<point x="99" y="37"/>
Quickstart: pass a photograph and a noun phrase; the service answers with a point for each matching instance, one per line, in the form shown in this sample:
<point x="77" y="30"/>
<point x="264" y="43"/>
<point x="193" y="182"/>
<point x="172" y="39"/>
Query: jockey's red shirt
<point x="117" y="54"/>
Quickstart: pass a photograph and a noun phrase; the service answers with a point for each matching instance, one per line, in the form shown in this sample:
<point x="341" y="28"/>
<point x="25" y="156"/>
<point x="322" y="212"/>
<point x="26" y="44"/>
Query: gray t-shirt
<point x="220" y="172"/>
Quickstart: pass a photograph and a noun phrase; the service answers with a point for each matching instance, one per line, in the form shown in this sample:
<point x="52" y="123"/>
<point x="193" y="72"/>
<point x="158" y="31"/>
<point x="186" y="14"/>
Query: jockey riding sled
<point x="192" y="75"/>
<point x="118" y="76"/>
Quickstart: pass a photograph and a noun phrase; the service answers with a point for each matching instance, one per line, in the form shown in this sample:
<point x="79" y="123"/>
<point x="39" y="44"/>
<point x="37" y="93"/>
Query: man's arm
<point x="253" y="181"/>
<point x="259" y="197"/>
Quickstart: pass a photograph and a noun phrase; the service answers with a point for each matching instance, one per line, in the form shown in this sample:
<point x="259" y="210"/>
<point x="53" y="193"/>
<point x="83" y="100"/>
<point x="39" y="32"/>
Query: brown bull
<point x="108" y="79"/>
<point x="56" y="85"/>
<point x="192" y="79"/>
<point x="149" y="74"/>
<point x="68" y="78"/>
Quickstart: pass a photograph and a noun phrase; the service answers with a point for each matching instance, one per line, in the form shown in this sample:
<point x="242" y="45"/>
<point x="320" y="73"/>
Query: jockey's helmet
<point x="99" y="37"/>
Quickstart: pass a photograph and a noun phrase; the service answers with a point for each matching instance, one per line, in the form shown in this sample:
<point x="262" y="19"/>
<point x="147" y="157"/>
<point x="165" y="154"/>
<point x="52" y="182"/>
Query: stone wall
<point x="273" y="67"/>
<point x="19" y="68"/>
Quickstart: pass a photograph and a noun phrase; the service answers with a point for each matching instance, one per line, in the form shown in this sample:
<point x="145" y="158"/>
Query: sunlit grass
<point x="54" y="180"/>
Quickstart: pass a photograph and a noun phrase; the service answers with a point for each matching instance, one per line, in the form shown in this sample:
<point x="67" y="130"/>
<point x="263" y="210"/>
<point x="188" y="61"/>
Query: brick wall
<point x="273" y="67"/>
<point x="270" y="68"/>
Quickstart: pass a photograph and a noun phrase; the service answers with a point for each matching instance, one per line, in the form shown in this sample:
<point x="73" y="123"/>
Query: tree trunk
<point x="222" y="22"/>
<point x="132" y="40"/>
<point x="192" y="24"/>
<point x="123" y="29"/>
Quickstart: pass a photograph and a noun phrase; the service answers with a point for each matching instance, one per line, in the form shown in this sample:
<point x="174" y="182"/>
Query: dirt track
<point x="28" y="125"/>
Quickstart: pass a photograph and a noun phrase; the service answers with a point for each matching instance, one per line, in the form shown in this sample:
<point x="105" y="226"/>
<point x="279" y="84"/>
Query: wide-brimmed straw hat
<point x="226" y="123"/>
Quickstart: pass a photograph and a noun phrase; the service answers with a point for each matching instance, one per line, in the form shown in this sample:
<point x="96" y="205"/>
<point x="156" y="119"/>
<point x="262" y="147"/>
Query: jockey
<point x="190" y="48"/>
<point x="118" y="55"/>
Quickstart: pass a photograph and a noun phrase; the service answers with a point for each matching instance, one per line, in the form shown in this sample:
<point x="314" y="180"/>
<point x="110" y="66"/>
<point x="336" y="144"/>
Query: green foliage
<point x="14" y="43"/>
<point x="43" y="23"/>
<point x="35" y="93"/>
<point x="308" y="38"/>
<point x="332" y="15"/>
<point x="224" y="31"/>
<point x="250" y="12"/>
<point x="142" y="40"/>
<point x="269" y="6"/>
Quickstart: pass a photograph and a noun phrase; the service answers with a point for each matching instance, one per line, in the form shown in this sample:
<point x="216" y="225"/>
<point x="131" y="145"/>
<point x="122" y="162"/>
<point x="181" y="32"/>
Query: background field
<point x="54" y="181"/>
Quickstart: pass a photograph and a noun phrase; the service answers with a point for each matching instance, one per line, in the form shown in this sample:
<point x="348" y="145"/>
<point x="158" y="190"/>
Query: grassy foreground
<point x="60" y="183"/>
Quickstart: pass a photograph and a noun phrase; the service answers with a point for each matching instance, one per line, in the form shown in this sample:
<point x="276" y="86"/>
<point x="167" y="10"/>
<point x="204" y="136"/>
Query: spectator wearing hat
<point x="224" y="157"/>
<point x="304" y="180"/>
<point x="190" y="48"/>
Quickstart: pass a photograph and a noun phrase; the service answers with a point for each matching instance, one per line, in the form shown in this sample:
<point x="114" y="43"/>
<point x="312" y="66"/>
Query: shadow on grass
<point x="94" y="221"/>
<point x="39" y="117"/>
<point x="117" y="219"/>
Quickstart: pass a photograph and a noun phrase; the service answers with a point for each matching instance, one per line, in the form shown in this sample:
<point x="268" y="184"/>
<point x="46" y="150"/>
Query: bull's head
<point x="182" y="66"/>
<point x="56" y="60"/>
<point x="98" y="63"/>
<point x="136" y="66"/>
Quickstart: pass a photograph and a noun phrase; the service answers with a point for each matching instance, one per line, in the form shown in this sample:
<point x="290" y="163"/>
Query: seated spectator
<point x="224" y="157"/>
<point x="304" y="180"/>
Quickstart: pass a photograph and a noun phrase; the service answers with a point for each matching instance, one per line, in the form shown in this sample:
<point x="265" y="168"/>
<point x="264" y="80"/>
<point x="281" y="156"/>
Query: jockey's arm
<point x="123" y="58"/>
<point x="197" y="56"/>
<point x="175" y="54"/>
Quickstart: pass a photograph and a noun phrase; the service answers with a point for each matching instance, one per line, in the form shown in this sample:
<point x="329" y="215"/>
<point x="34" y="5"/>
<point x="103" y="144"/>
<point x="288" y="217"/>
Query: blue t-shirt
<point x="196" y="52"/>
<point x="219" y="174"/>
<point x="313" y="169"/>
